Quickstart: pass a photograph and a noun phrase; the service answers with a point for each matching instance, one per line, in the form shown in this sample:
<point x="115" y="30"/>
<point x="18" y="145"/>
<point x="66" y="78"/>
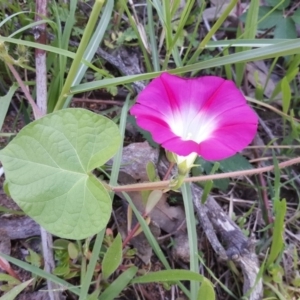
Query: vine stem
<point x="166" y="184"/>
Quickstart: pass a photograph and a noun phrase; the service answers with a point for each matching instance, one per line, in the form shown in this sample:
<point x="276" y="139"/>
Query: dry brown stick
<point x="41" y="100"/>
<point x="239" y="248"/>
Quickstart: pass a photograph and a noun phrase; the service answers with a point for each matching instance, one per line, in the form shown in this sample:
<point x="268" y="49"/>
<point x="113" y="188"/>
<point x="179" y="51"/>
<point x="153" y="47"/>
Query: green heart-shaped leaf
<point x="48" y="169"/>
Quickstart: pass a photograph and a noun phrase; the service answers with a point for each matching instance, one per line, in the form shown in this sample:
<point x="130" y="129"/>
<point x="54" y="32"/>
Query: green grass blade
<point x="118" y="157"/>
<point x="31" y="25"/>
<point x="274" y="288"/>
<point x="291" y="73"/>
<point x="69" y="24"/>
<point x="182" y="21"/>
<point x="286" y="95"/>
<point x="249" y="33"/>
<point x="168" y="275"/>
<point x="159" y="9"/>
<point x="280" y="212"/>
<point x="79" y="54"/>
<point x="171" y="48"/>
<point x="42" y="273"/>
<point x="15" y="291"/>
<point x="240" y="66"/>
<point x="113" y="181"/>
<point x="257" y="43"/>
<point x="57" y="64"/>
<point x="280" y="49"/>
<point x="229" y="43"/>
<point x="167" y="22"/>
<point x="251" y="20"/>
<point x="89" y="86"/>
<point x="4" y="103"/>
<point x="206" y="291"/>
<point x="277" y="179"/>
<point x="12" y="16"/>
<point x="152" y="241"/>
<point x="192" y="236"/>
<point x="228" y="69"/>
<point x="152" y="36"/>
<point x="38" y="46"/>
<point x="93" y="46"/>
<point x="140" y="41"/>
<point x="112" y="257"/>
<point x="86" y="282"/>
<point x="118" y="285"/>
<point x="64" y="36"/>
<point x="213" y="30"/>
<point x="217" y="280"/>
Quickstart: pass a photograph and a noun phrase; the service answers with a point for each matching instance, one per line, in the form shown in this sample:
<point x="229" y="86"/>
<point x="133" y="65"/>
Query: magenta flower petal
<point x="207" y="115"/>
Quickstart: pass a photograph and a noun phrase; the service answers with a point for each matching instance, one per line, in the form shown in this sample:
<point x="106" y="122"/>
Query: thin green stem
<point x="192" y="236"/>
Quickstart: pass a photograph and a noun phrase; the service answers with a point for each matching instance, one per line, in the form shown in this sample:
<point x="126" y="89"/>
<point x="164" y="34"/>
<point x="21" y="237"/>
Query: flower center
<point x="189" y="136"/>
<point x="196" y="128"/>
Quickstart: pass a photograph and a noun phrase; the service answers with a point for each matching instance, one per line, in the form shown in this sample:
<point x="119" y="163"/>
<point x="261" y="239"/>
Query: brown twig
<point x="292" y="9"/>
<point x="36" y="111"/>
<point x="131" y="233"/>
<point x="41" y="100"/>
<point x="264" y="193"/>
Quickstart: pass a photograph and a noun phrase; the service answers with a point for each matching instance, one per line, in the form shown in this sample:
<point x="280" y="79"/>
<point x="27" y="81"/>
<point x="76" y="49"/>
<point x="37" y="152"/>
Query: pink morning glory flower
<point x="206" y="116"/>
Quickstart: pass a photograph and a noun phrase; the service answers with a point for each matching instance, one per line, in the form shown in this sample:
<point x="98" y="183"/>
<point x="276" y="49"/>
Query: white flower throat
<point x="189" y="136"/>
<point x="198" y="128"/>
